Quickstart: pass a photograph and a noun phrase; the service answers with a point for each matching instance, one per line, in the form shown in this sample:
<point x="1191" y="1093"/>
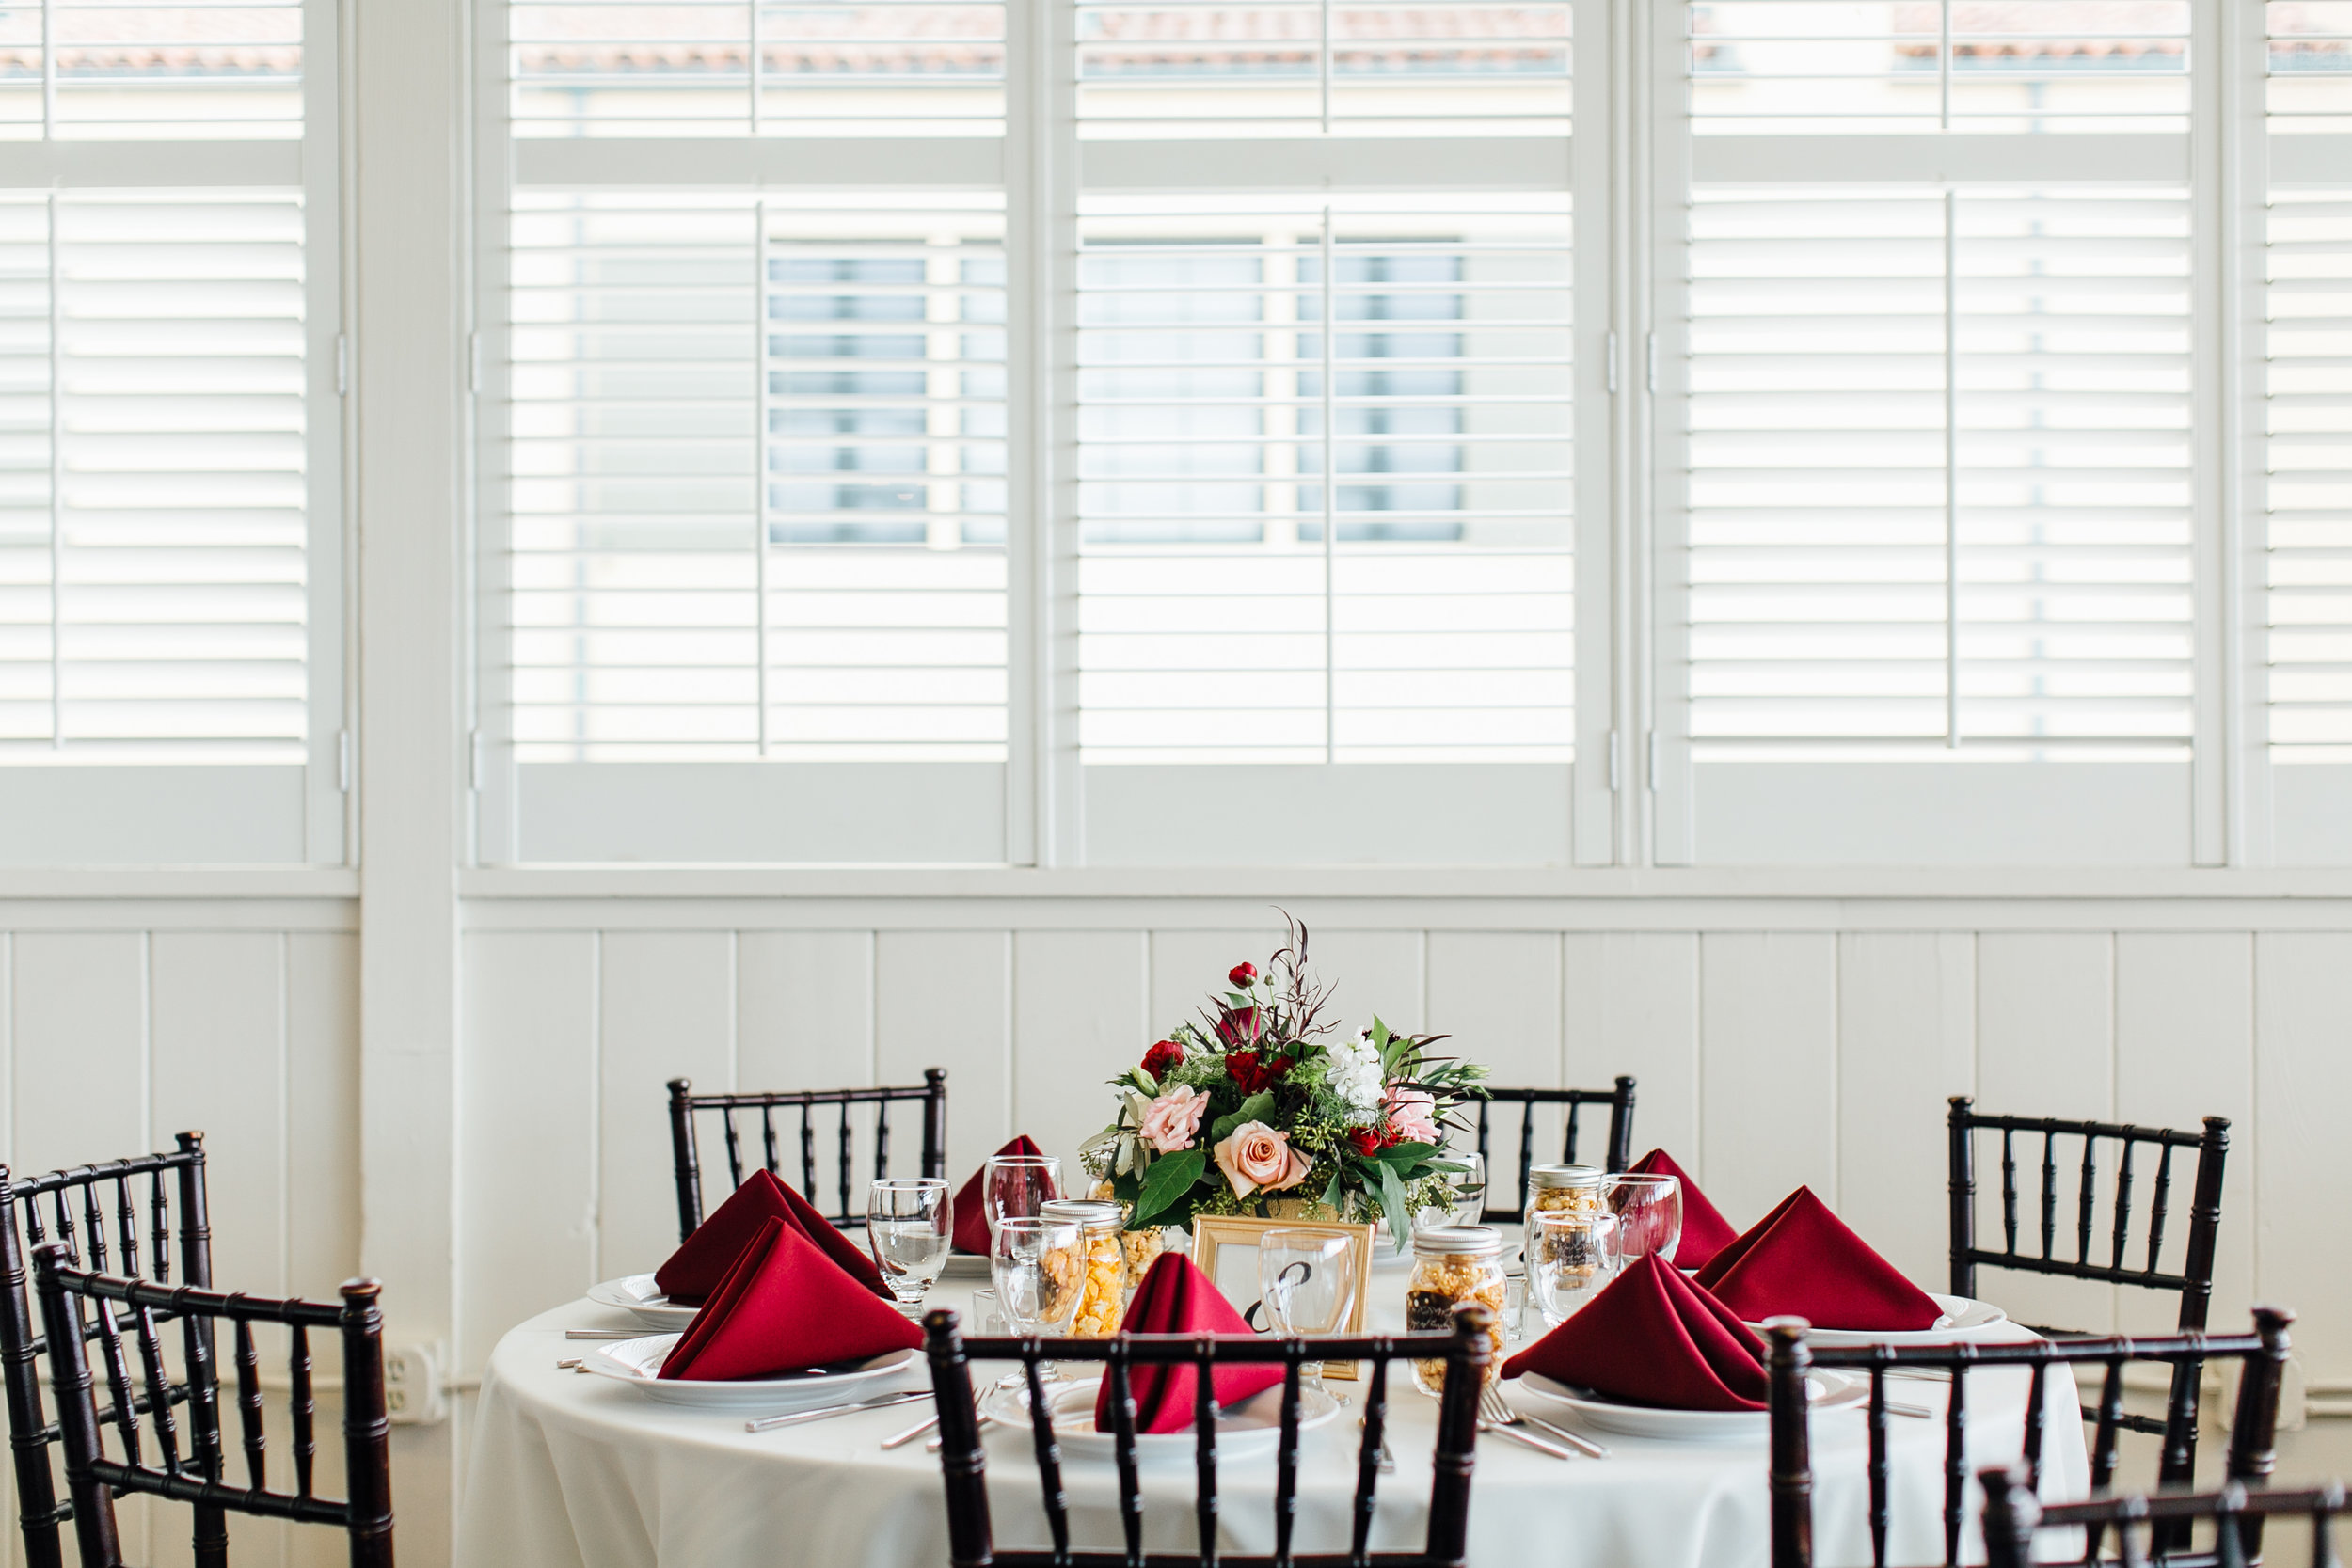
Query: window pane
<point x="1216" y="69"/>
<point x="783" y="540"/>
<point x="1863" y="66"/>
<point x="1213" y="624"/>
<point x="152" y="520"/>
<point x="1820" y="472"/>
<point x="646" y="67"/>
<point x="2311" y="65"/>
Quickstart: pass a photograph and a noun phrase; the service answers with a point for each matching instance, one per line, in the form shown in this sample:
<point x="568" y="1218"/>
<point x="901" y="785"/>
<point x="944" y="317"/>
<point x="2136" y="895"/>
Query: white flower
<point x="1355" y="1077"/>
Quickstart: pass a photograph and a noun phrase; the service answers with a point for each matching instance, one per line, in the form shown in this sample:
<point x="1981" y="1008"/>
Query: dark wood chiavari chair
<point x="685" y="1106"/>
<point x="365" y="1515"/>
<point x="2193" y="1285"/>
<point x="2143" y="1523"/>
<point x="2253" y="1437"/>
<point x="965" y="1461"/>
<point x="135" y="1194"/>
<point x="1618" y="1154"/>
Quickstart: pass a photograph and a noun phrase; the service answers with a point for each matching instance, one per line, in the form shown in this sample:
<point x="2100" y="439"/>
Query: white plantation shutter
<point x="2306" y="424"/>
<point x="758" y="511"/>
<point x="168" y="542"/>
<point x="1931" y="503"/>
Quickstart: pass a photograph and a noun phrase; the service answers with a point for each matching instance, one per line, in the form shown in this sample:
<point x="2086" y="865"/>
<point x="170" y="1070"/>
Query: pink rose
<point x="1257" y="1156"/>
<point x="1170" y="1121"/>
<point x="1412" y="1115"/>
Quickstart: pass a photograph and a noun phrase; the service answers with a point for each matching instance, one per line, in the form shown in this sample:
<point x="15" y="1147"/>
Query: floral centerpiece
<point x="1259" y="1103"/>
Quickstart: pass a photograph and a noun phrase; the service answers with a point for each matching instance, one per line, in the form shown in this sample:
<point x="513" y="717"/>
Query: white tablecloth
<point x="572" y="1471"/>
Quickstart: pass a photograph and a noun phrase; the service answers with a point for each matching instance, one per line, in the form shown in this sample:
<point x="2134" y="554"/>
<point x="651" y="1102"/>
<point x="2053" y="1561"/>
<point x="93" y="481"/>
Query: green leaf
<point x="1165" y="1182"/>
<point x="1405" y="1154"/>
<point x="1331" y="1192"/>
<point x="1256" y="1108"/>
<point x="1392" y="1206"/>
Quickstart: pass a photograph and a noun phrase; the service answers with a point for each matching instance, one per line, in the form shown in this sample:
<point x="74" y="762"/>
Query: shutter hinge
<point x="1653" y="364"/>
<point x="343" y="365"/>
<point x="474" y="362"/>
<point x="1616" y="776"/>
<point x="473" y="760"/>
<point x="1612" y="364"/>
<point x="1649" y="763"/>
<point x="342" y="761"/>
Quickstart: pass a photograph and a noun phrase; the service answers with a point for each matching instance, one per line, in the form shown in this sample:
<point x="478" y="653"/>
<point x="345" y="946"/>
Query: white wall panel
<point x="1188" y="968"/>
<point x="1495" y="995"/>
<point x="2045" y="1046"/>
<point x="1630" y="1003"/>
<point x="527" y="1133"/>
<point x="2302" y="1161"/>
<point x="79" y="1020"/>
<point x="804" y="1009"/>
<point x="220" y="1068"/>
<point x="1372" y="973"/>
<point x="945" y="999"/>
<point x="2183" y="1051"/>
<point x="322" y="1118"/>
<point x="1768" y="1025"/>
<point x="1077" y="1018"/>
<point x="666" y="1002"/>
<point x="1906" y="1041"/>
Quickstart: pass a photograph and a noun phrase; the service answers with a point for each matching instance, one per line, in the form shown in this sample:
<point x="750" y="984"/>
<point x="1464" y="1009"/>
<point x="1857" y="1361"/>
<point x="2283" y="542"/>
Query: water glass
<point x="1038" y="1274"/>
<point x="1307" y="1280"/>
<point x="910" y="1226"/>
<point x="1571" y="1257"/>
<point x="1469" y="1188"/>
<point x="1019" y="1185"/>
<point x="1649" y="1214"/>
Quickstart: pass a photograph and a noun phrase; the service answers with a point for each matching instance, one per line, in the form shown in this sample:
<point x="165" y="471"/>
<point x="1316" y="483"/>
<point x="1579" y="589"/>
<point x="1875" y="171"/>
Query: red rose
<point x="1250" y="1073"/>
<point x="1366" y="1139"/>
<point x="1239" y="1026"/>
<point x="1161" y="1057"/>
<point x="1243" y="976"/>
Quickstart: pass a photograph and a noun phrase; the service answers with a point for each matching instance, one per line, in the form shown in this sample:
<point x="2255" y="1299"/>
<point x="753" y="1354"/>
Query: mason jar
<point x="1454" y="1264"/>
<point x="1576" y="1188"/>
<point x="1102" y="1301"/>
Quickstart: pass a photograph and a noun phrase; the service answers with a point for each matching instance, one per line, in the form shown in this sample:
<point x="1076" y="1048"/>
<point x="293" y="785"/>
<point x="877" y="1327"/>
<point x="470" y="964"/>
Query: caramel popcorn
<point x="1437" y="1285"/>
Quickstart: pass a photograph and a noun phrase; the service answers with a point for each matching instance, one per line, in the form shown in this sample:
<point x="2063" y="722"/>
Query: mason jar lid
<point x="1094" y="1213"/>
<point x="1453" y="1241"/>
<point x="1565" y="1176"/>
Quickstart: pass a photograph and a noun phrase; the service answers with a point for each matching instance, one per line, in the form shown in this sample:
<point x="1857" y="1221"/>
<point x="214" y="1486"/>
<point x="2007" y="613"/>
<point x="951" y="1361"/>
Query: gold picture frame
<point x="1216" y="1237"/>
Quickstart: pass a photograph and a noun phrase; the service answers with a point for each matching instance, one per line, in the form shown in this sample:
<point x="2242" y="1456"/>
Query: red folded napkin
<point x="1705" y="1231"/>
<point x="695" y="1269"/>
<point x="1801" y="1259"/>
<point x="785" y="1308"/>
<point x="1654" y="1337"/>
<point x="971" y="1204"/>
<point x="1177" y="1298"/>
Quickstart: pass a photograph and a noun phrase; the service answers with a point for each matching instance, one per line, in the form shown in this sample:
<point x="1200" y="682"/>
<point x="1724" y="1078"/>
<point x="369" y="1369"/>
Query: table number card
<point x="1225" y="1247"/>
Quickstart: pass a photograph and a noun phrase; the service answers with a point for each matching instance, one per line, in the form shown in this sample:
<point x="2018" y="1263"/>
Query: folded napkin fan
<point x="1654" y="1337"/>
<point x="971" y="1203"/>
<point x="1801" y="1259"/>
<point x="785" y="1308"/>
<point x="695" y="1269"/>
<point x="1177" y="1298"/>
<point x="1705" y="1231"/>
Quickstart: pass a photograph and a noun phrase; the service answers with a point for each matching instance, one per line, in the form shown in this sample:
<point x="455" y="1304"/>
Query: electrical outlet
<point x="413" y="1392"/>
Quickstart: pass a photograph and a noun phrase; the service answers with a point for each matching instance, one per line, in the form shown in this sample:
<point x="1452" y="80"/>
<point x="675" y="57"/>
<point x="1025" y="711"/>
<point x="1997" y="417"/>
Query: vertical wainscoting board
<point x="1768" y="1025"/>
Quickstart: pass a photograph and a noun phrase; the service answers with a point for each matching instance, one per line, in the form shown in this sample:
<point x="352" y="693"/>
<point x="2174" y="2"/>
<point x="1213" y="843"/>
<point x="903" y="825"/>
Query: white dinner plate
<point x="1251" y="1427"/>
<point x="637" y="1362"/>
<point x="1962" y="1319"/>
<point x="642" y="1299"/>
<point x="1829" y="1390"/>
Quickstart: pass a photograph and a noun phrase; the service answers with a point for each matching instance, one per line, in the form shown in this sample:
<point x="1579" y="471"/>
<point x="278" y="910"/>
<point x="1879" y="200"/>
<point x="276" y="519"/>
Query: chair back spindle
<point x="1465" y="1353"/>
<point x="688" y="1109"/>
<point x="2143" y="1523"/>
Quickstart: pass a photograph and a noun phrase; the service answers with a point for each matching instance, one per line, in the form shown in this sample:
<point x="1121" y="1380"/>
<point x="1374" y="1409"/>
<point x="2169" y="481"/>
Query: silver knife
<point x="881" y="1401"/>
<point x="1584" y="1446"/>
<point x="1501" y="1429"/>
<point x="610" y="1333"/>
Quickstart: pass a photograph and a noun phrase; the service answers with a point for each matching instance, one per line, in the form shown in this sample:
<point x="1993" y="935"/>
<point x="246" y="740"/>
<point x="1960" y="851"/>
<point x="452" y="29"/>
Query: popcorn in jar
<point x="1454" y="1264"/>
<point x="1142" y="1247"/>
<point x="1575" y="1188"/>
<point x="1101" y="1254"/>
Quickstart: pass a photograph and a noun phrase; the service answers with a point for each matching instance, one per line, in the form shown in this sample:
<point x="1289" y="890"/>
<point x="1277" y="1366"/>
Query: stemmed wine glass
<point x="1469" y="1189"/>
<point x="1019" y="1185"/>
<point x="910" y="1226"/>
<point x="1572" y="1256"/>
<point x="1649" y="1214"/>
<point x="1307" y="1280"/>
<point x="1038" y="1275"/>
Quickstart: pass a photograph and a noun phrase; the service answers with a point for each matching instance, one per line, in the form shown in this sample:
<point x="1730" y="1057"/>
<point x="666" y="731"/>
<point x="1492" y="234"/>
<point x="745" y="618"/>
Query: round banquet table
<point x="578" y="1472"/>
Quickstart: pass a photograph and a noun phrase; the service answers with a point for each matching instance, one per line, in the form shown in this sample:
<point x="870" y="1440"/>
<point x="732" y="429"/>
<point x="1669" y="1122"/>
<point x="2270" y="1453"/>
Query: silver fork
<point x="1497" y="1413"/>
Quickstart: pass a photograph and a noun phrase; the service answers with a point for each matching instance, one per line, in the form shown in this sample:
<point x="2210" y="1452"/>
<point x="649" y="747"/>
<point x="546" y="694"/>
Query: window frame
<point x="161" y="814"/>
